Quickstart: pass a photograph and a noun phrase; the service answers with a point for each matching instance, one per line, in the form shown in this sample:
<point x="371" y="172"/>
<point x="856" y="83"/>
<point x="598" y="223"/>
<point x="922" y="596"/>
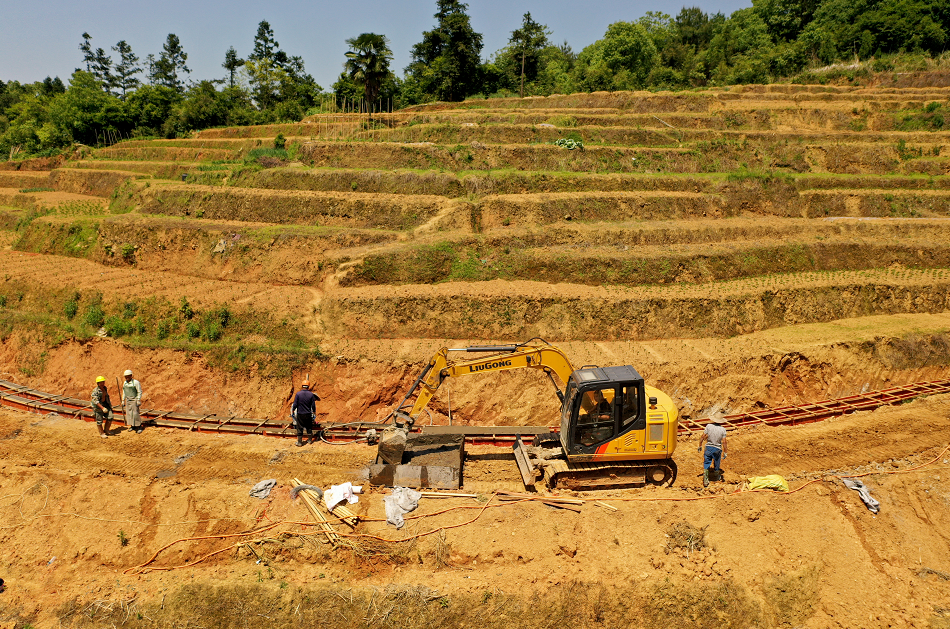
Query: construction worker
<point x="131" y="401"/>
<point x="303" y="410"/>
<point x="102" y="407"/>
<point x="714" y="436"/>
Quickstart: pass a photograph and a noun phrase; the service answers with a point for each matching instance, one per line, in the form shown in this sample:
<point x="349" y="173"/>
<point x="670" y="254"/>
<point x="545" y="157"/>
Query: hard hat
<point x="101" y="379"/>
<point x="306" y="384"/>
<point x="128" y="372"/>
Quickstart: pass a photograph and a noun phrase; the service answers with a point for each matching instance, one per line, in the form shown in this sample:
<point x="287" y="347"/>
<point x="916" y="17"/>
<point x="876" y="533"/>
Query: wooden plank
<point x="524" y="465"/>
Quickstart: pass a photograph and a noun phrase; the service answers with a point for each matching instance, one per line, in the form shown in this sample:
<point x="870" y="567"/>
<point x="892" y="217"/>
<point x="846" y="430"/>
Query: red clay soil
<point x="67" y="495"/>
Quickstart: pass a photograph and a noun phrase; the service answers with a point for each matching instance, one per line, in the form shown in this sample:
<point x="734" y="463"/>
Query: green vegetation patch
<point x="931" y="117"/>
<point x="613" y="263"/>
<point x="231" y="338"/>
<point x="75" y="238"/>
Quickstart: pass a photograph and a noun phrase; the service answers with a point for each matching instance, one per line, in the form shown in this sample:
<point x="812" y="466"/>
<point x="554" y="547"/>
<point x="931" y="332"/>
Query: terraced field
<point x="701" y="215"/>
<point x="742" y="248"/>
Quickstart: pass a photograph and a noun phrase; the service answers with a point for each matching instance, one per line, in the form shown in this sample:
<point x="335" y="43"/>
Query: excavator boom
<point x="532" y="355"/>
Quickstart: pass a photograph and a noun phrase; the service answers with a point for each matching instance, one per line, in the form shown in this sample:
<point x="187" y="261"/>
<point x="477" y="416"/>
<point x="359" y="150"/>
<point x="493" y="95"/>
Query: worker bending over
<point x="303" y="410"/>
<point x="714" y="436"/>
<point x="102" y="407"/>
<point x="131" y="401"/>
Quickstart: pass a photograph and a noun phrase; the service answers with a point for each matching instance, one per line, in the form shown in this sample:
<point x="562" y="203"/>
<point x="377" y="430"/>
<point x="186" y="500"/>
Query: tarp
<point x="773" y="481"/>
<point x="339" y="493"/>
<point x="401" y="501"/>
<point x="262" y="489"/>
<point x="852" y="483"/>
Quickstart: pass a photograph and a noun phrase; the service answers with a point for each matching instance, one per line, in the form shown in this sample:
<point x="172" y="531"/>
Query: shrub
<point x="194" y="330"/>
<point x="164" y="329"/>
<point x="569" y="143"/>
<point x="117" y="326"/>
<point x="280" y="142"/>
<point x="71" y="307"/>
<point x="212" y="331"/>
<point x="128" y="253"/>
<point x="95" y="316"/>
<point x="129" y="310"/>
<point x="185" y="310"/>
<point x="222" y="315"/>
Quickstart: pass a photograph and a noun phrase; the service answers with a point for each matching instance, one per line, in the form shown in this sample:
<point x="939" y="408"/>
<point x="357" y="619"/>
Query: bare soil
<point x="70" y="497"/>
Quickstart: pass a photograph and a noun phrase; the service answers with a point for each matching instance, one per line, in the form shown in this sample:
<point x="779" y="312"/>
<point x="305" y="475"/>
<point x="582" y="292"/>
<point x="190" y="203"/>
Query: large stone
<point x="418" y="476"/>
<point x="392" y="445"/>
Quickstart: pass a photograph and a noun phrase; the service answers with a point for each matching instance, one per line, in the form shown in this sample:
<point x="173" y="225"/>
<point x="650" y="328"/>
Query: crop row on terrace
<point x="817" y="117"/>
<point x="461" y="183"/>
<point x="459" y="208"/>
<point x="525" y="310"/>
<point x="483" y="212"/>
<point x="630" y="254"/>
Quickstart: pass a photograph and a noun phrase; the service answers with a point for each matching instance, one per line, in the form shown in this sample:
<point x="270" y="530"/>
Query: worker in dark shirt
<point x="304" y="409"/>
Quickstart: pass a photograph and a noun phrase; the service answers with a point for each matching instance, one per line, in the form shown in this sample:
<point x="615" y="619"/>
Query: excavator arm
<point x="534" y="354"/>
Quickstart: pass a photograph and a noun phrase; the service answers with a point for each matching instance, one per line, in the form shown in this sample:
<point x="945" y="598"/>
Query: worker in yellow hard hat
<point x="102" y="407"/>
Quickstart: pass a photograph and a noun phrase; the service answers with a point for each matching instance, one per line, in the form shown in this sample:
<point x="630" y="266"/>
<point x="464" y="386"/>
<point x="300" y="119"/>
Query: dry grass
<point x="575" y="605"/>
<point x="685" y="536"/>
<point x="792" y="597"/>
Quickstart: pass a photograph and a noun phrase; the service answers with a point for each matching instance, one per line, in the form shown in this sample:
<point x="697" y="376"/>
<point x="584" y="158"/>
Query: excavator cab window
<point x="630" y="415"/>
<point x="595" y="418"/>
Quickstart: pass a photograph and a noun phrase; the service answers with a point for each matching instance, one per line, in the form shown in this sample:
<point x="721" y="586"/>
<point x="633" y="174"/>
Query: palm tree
<point x="367" y="63"/>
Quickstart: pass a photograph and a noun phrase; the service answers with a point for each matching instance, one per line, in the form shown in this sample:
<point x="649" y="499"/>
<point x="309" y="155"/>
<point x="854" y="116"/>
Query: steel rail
<point x="26" y="399"/>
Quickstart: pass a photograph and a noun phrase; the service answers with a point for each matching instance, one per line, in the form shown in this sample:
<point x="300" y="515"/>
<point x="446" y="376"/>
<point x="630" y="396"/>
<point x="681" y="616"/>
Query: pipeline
<point x="26" y="399"/>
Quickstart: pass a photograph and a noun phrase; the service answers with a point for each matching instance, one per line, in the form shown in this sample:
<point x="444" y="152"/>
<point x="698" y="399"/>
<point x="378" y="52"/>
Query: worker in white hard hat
<point x="131" y="401"/>
<point x="102" y="407"/>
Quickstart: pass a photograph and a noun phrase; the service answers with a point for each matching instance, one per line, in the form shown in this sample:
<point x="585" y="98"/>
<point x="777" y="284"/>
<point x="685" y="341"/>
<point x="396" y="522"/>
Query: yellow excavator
<point x="614" y="429"/>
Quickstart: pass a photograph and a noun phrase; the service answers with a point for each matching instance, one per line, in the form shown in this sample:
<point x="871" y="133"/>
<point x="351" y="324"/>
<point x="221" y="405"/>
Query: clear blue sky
<point x="41" y="40"/>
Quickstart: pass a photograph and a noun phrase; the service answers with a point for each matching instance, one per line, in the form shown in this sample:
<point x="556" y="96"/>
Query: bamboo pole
<point x="322" y="522"/>
<point x="341" y="512"/>
<point x="551" y="501"/>
<point x="345" y="515"/>
<point x="509" y="495"/>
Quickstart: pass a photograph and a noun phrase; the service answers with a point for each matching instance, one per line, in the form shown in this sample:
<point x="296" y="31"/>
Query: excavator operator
<point x="598" y="416"/>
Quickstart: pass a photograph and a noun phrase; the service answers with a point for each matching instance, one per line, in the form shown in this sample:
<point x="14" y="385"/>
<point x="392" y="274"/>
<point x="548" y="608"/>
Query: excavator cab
<point x="600" y="405"/>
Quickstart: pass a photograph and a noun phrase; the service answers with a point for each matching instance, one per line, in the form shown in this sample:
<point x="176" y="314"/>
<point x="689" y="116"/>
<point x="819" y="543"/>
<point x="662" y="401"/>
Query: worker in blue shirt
<point x="303" y="410"/>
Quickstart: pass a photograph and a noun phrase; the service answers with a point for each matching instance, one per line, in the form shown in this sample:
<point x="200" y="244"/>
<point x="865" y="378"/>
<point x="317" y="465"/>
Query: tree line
<point x="116" y="94"/>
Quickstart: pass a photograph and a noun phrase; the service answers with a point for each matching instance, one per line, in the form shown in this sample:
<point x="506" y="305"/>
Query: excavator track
<point x="581" y="476"/>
